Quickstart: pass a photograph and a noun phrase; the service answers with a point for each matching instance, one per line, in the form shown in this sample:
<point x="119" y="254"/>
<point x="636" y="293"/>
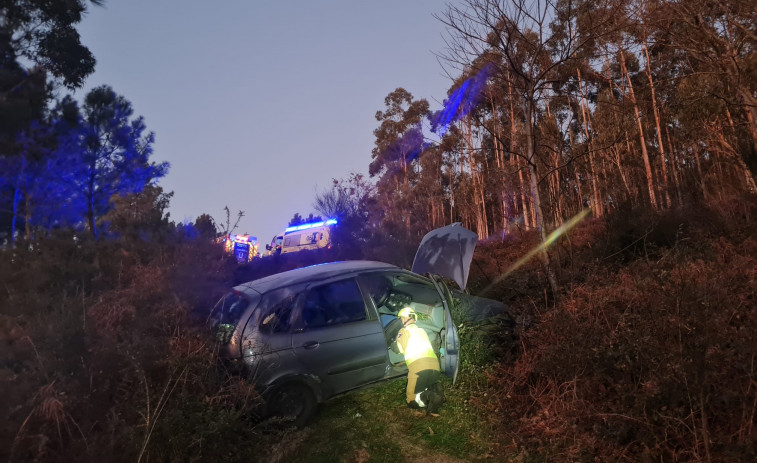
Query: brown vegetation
<point x="647" y="355"/>
<point x="102" y="354"/>
<point x="650" y="355"/>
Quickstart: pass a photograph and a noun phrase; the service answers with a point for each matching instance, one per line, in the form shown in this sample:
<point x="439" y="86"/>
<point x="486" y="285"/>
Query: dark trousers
<point x="422" y="374"/>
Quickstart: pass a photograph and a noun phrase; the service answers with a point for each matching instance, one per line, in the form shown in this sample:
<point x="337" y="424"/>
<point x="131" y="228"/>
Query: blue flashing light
<point x="243" y="239"/>
<point x="462" y="101"/>
<point x="306" y="226"/>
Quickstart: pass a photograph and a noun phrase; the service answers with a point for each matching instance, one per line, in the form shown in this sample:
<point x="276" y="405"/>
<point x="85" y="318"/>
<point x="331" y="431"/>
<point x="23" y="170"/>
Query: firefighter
<point x="423" y="388"/>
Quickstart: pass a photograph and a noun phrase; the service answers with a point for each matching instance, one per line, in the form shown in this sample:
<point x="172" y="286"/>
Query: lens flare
<point x="561" y="230"/>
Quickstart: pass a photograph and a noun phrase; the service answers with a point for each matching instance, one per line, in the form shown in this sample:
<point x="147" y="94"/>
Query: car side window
<point x="394" y="291"/>
<point x="278" y="306"/>
<point x="333" y="304"/>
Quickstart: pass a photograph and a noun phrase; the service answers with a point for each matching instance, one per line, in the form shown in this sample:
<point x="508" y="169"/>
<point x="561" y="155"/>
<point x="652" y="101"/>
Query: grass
<point x="375" y="425"/>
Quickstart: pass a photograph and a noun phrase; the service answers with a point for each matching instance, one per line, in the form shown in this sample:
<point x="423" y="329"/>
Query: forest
<point x="604" y="151"/>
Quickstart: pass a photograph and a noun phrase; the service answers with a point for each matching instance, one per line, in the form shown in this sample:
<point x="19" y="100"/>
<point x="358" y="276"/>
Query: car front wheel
<point x="293" y="403"/>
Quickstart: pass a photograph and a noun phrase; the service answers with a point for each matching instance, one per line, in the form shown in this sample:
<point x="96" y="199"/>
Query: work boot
<point x="425" y="397"/>
<point x="434" y="402"/>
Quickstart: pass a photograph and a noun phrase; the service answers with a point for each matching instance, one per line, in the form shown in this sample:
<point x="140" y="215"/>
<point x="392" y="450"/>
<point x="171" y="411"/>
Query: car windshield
<point x="226" y="315"/>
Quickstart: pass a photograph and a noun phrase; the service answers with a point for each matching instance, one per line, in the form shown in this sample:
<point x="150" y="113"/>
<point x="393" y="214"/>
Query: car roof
<point x="312" y="273"/>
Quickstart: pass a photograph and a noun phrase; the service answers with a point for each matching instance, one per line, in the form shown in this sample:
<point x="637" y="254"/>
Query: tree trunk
<point x="515" y="158"/>
<point x="479" y="206"/>
<point x="16" y="200"/>
<point x="91" y="203"/>
<point x="636" y="191"/>
<point x="644" y="154"/>
<point x="499" y="159"/>
<point x="616" y="151"/>
<point x="666" y="189"/>
<point x="596" y="204"/>
<point x="750" y="117"/>
<point x="28" y="217"/>
<point x="554" y="179"/>
<point x="700" y="172"/>
<point x="674" y="167"/>
<point x="734" y="154"/>
<point x="538" y="214"/>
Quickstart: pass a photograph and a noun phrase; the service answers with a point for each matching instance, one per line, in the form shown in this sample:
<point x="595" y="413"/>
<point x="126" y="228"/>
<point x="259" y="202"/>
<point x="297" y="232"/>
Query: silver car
<point x="309" y="334"/>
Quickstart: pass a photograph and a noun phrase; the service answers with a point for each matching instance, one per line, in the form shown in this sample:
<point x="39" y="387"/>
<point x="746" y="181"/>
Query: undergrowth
<point x="647" y="354"/>
<point x="650" y="355"/>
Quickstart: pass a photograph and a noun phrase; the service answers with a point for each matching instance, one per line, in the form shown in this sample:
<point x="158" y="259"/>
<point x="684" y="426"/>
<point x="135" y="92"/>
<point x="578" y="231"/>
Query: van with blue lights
<point x="302" y="237"/>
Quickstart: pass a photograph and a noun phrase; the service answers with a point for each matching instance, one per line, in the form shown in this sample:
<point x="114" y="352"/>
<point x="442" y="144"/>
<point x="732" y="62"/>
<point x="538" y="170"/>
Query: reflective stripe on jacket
<point x="416" y="346"/>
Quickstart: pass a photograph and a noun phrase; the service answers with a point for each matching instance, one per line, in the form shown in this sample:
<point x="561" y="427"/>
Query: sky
<point x="257" y="105"/>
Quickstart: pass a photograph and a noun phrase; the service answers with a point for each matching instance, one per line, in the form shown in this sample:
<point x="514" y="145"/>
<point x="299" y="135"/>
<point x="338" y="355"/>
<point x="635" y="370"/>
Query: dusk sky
<point x="258" y="105"/>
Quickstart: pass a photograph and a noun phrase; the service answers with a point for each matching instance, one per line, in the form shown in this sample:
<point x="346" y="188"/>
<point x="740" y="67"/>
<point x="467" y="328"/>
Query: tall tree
<point x="532" y="53"/>
<point x="398" y="144"/>
<point x="107" y="153"/>
<point x="719" y="39"/>
<point x="44" y="33"/>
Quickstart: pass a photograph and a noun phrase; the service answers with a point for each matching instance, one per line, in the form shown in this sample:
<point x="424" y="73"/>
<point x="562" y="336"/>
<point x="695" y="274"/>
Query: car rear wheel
<point x="293" y="403"/>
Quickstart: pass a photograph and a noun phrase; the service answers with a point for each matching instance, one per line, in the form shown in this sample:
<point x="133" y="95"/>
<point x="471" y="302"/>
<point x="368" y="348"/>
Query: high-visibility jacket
<point x="413" y="343"/>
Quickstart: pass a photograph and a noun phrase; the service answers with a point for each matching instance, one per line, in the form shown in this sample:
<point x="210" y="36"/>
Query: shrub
<point x="103" y="357"/>
<point x="648" y="361"/>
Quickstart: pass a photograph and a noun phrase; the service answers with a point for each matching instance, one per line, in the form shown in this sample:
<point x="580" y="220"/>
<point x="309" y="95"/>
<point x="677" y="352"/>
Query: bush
<point x="102" y="355"/>
<point x="652" y="360"/>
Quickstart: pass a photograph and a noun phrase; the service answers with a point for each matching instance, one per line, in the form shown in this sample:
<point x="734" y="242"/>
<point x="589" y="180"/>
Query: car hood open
<point x="448" y="252"/>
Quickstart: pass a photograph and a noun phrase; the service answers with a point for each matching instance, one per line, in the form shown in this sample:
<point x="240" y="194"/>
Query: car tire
<point x="293" y="403"/>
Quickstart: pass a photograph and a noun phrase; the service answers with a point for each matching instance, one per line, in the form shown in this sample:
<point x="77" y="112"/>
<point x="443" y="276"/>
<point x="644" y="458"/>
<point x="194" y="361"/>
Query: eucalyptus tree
<point x="398" y="144"/>
<point x="719" y="39"/>
<point x="532" y="55"/>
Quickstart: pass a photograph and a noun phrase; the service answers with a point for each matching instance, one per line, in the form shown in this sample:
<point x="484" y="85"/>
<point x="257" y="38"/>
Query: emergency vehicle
<point x="243" y="247"/>
<point x="308" y="236"/>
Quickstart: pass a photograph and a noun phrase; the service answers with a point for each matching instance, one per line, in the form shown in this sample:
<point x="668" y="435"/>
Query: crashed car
<point x="306" y="335"/>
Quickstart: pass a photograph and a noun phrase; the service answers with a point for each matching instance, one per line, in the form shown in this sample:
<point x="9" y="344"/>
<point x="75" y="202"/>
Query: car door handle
<point x="311" y="344"/>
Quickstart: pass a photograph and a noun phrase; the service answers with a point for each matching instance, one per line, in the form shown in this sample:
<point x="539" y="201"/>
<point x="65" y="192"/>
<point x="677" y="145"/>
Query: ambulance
<point x="308" y="236"/>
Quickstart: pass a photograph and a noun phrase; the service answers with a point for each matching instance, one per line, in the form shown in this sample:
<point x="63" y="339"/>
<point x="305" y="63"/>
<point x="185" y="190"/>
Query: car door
<point x="450" y="338"/>
<point x="337" y="338"/>
<point x="267" y="345"/>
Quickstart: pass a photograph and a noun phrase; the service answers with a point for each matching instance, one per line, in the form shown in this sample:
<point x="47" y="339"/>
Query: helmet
<point x="407" y="312"/>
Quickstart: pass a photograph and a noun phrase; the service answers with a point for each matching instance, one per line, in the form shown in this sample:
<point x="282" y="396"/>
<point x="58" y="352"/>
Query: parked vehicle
<point x="308" y="334"/>
<point x="244" y="248"/>
<point x="274" y="247"/>
<point x="303" y="237"/>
